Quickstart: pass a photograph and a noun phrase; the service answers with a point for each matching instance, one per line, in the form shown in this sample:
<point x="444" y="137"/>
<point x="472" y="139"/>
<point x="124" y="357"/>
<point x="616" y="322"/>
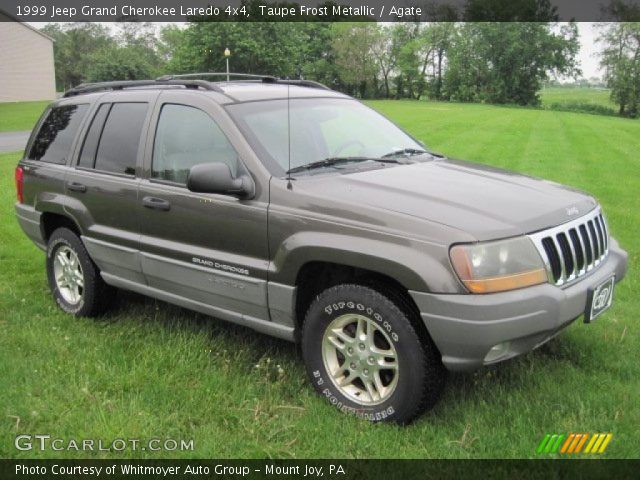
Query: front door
<point x="209" y="249"/>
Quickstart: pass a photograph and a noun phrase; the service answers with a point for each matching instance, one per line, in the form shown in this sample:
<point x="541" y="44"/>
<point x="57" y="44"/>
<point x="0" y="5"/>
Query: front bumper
<point x="466" y="327"/>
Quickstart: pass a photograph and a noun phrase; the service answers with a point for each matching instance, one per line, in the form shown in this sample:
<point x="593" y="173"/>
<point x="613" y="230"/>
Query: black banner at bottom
<point x="319" y="469"/>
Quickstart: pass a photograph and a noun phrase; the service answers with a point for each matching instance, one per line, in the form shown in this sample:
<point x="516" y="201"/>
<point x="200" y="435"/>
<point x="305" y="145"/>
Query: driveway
<point x="13" y="141"/>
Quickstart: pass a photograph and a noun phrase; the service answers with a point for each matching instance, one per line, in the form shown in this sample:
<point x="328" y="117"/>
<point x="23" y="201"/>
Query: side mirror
<point x="215" y="177"/>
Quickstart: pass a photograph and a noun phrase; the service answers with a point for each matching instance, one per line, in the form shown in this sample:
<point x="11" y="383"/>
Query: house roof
<point x="14" y="19"/>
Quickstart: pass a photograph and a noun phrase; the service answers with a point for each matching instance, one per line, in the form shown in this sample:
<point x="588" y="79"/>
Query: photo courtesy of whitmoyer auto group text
<point x="337" y="239"/>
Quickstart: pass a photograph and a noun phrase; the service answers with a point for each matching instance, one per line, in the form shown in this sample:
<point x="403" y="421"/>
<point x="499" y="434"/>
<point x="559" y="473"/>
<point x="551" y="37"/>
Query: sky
<point x="587" y="57"/>
<point x="588" y="50"/>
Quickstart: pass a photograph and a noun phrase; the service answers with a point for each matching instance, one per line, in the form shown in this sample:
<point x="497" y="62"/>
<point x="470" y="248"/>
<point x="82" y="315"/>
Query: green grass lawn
<point x="18" y="116"/>
<point x="149" y="369"/>
<point x="585" y="99"/>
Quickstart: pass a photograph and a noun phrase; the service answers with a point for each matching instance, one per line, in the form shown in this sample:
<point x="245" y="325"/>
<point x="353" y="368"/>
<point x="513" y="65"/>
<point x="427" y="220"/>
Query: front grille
<point x="575" y="248"/>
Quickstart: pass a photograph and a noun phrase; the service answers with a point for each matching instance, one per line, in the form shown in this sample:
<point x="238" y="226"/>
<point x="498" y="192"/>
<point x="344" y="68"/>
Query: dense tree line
<point x="620" y="59"/>
<point x="445" y="60"/>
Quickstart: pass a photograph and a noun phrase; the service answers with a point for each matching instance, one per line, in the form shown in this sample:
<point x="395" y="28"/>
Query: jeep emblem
<point x="572" y="211"/>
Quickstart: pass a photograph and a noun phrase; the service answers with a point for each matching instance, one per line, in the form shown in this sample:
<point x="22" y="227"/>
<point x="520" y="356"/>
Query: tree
<point x="383" y="50"/>
<point x="405" y="46"/>
<point x="274" y="48"/>
<point x="620" y="58"/>
<point x="74" y="46"/>
<point x="508" y="62"/>
<point x="119" y="63"/>
<point x="352" y="44"/>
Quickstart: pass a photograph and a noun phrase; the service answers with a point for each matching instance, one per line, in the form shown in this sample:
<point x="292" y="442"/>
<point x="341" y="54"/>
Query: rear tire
<point x="367" y="355"/>
<point x="74" y="279"/>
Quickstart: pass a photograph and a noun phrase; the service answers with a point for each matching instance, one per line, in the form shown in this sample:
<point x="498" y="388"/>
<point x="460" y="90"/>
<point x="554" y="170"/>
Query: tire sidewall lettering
<point x="333" y="309"/>
<point x="361" y="412"/>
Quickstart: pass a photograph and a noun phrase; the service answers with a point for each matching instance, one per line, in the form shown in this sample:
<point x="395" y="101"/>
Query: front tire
<point x="367" y="355"/>
<point x="74" y="279"/>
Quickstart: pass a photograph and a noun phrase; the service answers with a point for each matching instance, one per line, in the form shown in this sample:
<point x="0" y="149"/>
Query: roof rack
<point x="120" y="85"/>
<point x="249" y="76"/>
<point x="252" y="76"/>
<point x="187" y="80"/>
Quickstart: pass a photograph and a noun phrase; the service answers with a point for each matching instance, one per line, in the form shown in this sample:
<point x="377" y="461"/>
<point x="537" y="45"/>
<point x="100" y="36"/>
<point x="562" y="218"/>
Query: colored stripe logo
<point x="572" y="443"/>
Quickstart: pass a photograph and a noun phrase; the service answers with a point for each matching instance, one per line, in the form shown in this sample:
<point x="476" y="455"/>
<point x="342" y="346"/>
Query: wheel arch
<point x="50" y="221"/>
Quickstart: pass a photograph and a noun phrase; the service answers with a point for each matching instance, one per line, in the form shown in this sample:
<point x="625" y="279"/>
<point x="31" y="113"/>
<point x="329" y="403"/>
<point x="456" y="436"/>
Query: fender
<point x="407" y="263"/>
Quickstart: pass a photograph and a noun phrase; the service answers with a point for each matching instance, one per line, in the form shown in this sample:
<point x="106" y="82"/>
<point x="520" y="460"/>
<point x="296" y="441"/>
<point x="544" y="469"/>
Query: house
<point x="26" y="62"/>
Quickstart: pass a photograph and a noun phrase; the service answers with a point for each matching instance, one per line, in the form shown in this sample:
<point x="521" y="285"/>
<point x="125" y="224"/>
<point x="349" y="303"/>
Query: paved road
<point x="13" y="141"/>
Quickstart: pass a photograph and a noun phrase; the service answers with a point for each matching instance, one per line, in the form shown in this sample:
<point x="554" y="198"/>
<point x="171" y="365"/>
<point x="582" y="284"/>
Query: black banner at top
<point x="318" y="10"/>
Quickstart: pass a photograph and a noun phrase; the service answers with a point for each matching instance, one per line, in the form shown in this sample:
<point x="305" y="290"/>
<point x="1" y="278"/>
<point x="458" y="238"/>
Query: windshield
<point x="321" y="129"/>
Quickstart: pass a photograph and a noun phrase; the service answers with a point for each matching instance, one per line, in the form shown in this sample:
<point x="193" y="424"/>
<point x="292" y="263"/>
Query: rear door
<point x="207" y="248"/>
<point x="103" y="186"/>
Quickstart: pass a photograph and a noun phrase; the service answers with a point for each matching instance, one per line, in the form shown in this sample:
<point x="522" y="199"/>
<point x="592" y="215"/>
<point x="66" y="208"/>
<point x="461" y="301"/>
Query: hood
<point x="482" y="201"/>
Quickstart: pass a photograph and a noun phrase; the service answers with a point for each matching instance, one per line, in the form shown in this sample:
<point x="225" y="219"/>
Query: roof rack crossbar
<point x="303" y="83"/>
<point x="120" y="85"/>
<point x="216" y="74"/>
<point x="249" y="76"/>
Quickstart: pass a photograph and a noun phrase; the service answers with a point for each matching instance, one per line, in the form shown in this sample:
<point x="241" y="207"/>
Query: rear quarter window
<point x="55" y="137"/>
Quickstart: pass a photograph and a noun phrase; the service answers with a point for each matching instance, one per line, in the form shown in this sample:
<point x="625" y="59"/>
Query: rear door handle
<point x="156" y="203"/>
<point x="77" y="187"/>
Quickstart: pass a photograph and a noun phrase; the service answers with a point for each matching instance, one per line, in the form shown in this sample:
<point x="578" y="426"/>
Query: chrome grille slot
<point x="571" y="250"/>
<point x="587" y="244"/>
<point x="594" y="239"/>
<point x="577" y="248"/>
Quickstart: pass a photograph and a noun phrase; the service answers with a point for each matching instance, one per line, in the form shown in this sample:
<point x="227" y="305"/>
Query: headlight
<point x="498" y="266"/>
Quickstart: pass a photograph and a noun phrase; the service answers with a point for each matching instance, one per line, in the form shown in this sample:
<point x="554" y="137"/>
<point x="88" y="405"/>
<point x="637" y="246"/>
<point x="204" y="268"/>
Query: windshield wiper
<point x="331" y="161"/>
<point x="407" y="152"/>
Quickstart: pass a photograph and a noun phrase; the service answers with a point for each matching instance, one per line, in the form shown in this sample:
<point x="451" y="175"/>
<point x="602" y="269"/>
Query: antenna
<point x="289" y="186"/>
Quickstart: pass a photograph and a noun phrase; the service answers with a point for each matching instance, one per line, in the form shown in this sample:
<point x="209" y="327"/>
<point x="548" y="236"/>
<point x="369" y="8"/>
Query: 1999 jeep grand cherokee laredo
<point x="298" y="212"/>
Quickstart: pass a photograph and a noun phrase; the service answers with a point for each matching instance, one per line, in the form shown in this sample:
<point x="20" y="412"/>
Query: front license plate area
<point x="599" y="300"/>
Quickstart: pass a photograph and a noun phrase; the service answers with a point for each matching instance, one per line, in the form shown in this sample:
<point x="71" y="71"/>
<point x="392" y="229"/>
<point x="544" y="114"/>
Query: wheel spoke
<point x="341" y="369"/>
<point x="72" y="294"/>
<point x="371" y="390"/>
<point x="347" y="379"/>
<point x="371" y="331"/>
<point x="361" y="330"/>
<point x="385" y="364"/>
<point x="343" y="336"/>
<point x="338" y="343"/>
<point x="62" y="259"/>
<point x="378" y="382"/>
<point x="79" y="279"/>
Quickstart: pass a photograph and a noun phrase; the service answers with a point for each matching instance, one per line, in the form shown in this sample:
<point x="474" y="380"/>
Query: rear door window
<point x="53" y="142"/>
<point x="120" y="139"/>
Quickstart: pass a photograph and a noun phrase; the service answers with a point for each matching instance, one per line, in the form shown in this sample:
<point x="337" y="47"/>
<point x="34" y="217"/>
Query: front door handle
<point x="156" y="203"/>
<point x="77" y="187"/>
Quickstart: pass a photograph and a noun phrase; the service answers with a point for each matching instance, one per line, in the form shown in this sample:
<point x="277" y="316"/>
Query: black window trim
<point x="86" y="134"/>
